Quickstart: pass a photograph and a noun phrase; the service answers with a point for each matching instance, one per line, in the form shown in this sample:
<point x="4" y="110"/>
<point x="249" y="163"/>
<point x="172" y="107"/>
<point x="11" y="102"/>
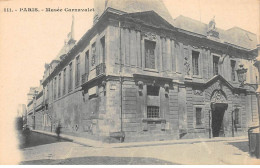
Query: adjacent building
<point x="140" y="75"/>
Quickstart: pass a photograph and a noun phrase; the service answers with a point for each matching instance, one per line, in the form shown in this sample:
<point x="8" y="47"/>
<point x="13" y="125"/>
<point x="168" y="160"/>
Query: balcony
<point x="84" y="78"/>
<point x="100" y="69"/>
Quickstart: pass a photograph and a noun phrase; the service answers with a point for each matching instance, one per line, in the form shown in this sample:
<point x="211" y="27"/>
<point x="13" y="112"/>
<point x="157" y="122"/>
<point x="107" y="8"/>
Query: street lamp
<point x="241" y="73"/>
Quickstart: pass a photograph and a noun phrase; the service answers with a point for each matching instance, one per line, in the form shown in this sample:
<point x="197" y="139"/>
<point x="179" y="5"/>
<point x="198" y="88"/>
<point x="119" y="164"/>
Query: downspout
<point x="121" y="87"/>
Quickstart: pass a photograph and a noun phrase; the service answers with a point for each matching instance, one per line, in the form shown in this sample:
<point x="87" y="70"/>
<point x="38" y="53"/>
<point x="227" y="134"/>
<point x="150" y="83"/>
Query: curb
<point x="99" y="144"/>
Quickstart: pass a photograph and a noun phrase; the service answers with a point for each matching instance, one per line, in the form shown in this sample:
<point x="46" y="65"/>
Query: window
<point x="77" y="71"/>
<point x="153" y="90"/>
<point x="153" y="112"/>
<point x="93" y="58"/>
<point x="195" y="62"/>
<point x="198" y="116"/>
<point x="54" y="88"/>
<point x="215" y="65"/>
<point x="237" y="118"/>
<point x="103" y="49"/>
<point x="149" y="54"/>
<point x="47" y="92"/>
<point x="70" y="77"/>
<point x="64" y="81"/>
<point x="59" y="82"/>
<point x="87" y="62"/>
<point x="233" y="74"/>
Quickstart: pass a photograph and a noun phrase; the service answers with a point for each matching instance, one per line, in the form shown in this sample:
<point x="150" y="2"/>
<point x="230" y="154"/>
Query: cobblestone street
<point x="51" y="151"/>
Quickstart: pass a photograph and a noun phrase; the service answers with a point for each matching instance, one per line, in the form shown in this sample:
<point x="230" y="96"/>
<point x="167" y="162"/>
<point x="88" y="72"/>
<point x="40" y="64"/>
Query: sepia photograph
<point x="130" y="82"/>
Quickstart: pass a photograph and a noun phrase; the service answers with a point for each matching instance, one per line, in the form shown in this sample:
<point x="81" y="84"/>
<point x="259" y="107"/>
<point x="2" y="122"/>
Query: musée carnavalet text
<point x="140" y="75"/>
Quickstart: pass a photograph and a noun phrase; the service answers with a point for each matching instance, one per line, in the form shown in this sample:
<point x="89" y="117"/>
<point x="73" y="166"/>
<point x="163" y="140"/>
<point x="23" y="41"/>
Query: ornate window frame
<point x="149" y="36"/>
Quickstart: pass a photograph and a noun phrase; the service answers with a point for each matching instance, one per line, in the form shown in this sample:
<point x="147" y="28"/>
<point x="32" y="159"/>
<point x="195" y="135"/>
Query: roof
<point x="235" y="35"/>
<point x="133" y="6"/>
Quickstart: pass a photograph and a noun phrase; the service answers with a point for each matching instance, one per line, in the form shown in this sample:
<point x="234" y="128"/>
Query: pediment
<point x="220" y="81"/>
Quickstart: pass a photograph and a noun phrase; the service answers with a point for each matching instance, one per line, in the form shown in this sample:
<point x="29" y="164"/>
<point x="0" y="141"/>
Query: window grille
<point x="153" y="112"/>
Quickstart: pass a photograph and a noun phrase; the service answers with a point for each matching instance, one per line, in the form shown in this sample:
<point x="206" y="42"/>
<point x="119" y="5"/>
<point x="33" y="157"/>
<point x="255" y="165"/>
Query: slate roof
<point x="133" y="6"/>
<point x="235" y="35"/>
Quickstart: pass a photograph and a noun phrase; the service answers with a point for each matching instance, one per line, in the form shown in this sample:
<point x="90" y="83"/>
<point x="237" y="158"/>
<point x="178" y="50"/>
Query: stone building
<point x="140" y="75"/>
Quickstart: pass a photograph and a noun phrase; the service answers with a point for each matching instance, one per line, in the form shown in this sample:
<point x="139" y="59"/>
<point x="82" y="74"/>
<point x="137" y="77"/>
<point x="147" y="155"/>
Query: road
<point x="47" y="150"/>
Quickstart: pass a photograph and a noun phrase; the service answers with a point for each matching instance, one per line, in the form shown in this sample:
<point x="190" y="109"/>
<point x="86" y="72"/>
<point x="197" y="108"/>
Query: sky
<point x="28" y="40"/>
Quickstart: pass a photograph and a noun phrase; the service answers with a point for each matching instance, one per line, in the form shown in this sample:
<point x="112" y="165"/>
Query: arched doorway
<point x="218" y="107"/>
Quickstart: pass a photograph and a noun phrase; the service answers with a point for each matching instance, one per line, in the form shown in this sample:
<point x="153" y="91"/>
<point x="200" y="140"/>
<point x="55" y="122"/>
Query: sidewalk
<point x="99" y="144"/>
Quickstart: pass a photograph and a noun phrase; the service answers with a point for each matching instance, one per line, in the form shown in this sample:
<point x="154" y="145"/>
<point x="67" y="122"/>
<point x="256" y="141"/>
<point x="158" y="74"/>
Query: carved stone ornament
<point x="187" y="66"/>
<point x="150" y="36"/>
<point x="198" y="92"/>
<point x="218" y="97"/>
<point x="219" y="85"/>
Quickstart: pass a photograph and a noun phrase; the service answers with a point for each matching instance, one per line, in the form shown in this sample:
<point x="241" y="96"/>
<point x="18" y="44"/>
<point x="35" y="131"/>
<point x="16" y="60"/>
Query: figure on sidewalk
<point x="58" y="131"/>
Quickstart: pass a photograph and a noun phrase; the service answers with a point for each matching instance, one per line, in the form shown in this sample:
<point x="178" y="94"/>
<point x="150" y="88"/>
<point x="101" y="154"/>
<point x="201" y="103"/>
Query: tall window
<point x="77" y="71"/>
<point x="87" y="62"/>
<point x="54" y="88"/>
<point x="70" y="77"/>
<point x="93" y="58"/>
<point x="237" y="118"/>
<point x="47" y="91"/>
<point x="64" y="81"/>
<point x="233" y="72"/>
<point x="195" y="62"/>
<point x="103" y="49"/>
<point x="59" y="87"/>
<point x="149" y="54"/>
<point x="153" y="111"/>
<point x="198" y="116"/>
<point x="215" y="65"/>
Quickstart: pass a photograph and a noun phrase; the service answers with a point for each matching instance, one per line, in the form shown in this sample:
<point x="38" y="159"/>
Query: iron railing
<point x="100" y="69"/>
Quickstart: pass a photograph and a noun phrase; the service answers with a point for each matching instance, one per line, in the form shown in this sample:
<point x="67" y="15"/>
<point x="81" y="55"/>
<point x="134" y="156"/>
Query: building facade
<point x="140" y="75"/>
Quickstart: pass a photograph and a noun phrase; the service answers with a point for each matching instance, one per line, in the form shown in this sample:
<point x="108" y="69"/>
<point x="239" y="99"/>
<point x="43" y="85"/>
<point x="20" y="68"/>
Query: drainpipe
<point x="121" y="86"/>
<point x="232" y="118"/>
<point x="210" y="124"/>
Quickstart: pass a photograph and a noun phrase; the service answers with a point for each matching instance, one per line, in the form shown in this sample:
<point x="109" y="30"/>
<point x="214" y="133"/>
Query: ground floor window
<point x="153" y="112"/>
<point x="237" y="118"/>
<point x="198" y="116"/>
